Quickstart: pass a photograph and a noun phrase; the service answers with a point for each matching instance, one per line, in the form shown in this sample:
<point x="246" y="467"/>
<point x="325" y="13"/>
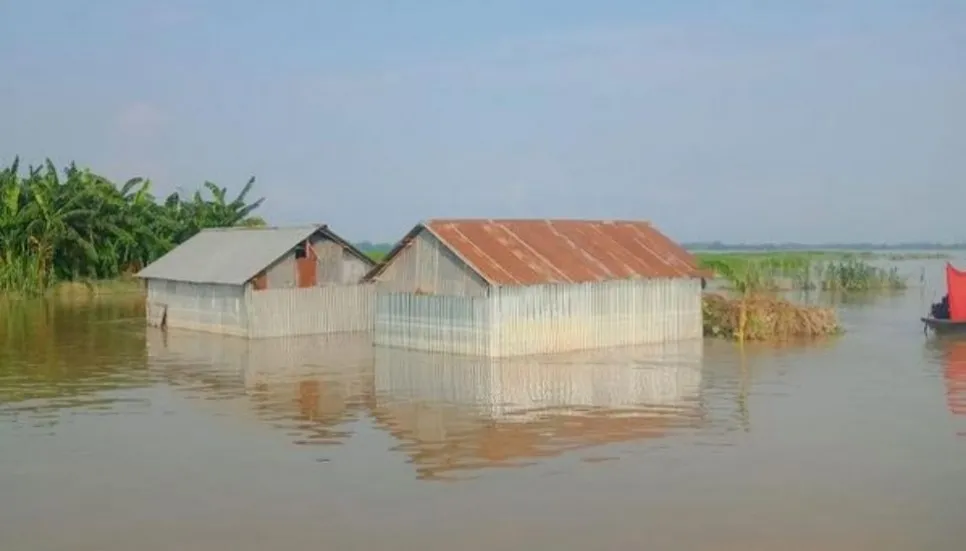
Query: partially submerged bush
<point x="763" y="318"/>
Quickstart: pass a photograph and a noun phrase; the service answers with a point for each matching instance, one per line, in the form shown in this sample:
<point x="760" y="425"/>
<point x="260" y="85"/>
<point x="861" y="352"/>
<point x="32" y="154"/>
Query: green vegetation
<point x="753" y="315"/>
<point x="375" y="251"/>
<point x="827" y="271"/>
<point x="376" y="255"/>
<point x="77" y="226"/>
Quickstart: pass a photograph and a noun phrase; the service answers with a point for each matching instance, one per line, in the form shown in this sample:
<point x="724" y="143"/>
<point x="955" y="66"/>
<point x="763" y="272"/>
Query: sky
<point x="737" y="121"/>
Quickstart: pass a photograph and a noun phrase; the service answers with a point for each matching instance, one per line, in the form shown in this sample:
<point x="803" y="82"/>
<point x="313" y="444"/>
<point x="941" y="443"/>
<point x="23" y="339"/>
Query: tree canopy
<point x="75" y="224"/>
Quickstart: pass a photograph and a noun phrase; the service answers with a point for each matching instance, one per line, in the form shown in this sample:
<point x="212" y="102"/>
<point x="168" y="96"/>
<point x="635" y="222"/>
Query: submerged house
<point x="518" y="287"/>
<point x="261" y="282"/>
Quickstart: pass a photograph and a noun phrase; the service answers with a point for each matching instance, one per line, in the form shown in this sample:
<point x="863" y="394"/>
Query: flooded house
<point x="499" y="288"/>
<point x="261" y="282"/>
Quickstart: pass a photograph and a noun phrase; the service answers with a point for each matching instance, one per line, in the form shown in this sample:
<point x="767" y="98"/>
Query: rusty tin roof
<point x="531" y="252"/>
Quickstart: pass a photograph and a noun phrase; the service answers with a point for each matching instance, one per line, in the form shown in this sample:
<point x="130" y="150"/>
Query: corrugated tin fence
<point x="458" y="325"/>
<point x="197" y="306"/>
<point x="556" y="318"/>
<point x="541" y="319"/>
<point x="311" y="311"/>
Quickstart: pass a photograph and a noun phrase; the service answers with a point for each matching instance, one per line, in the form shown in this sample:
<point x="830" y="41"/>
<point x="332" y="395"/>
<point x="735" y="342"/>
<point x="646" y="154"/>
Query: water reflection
<point x="858" y="424"/>
<point x="952" y="353"/>
<point x="309" y="387"/>
<point x="56" y="355"/>
<point x="455" y="414"/>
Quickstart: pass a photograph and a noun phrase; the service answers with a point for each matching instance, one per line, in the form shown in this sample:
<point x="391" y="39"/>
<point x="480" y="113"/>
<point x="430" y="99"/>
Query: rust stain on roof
<point x="532" y="252"/>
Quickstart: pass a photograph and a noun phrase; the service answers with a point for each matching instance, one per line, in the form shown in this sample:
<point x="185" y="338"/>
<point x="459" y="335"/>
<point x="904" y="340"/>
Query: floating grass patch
<point x="757" y="317"/>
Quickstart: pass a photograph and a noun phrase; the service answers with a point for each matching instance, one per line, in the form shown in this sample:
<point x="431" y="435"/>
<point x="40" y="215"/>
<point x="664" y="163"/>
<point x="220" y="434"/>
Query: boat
<point x="941" y="326"/>
<point x="949" y="315"/>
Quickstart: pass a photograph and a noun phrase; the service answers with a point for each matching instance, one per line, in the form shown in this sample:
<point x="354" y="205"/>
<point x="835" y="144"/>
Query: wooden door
<point x="306" y="266"/>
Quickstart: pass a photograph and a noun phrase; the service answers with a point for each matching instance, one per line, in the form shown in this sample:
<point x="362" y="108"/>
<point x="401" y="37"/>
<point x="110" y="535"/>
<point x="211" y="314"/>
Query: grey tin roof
<point x="232" y="256"/>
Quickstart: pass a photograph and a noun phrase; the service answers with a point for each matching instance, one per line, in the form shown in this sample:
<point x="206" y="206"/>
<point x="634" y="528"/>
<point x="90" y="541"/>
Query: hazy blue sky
<point x="731" y="120"/>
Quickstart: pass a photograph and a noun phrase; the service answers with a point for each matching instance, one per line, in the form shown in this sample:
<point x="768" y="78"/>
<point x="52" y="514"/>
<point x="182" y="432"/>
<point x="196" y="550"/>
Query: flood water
<point x="114" y="436"/>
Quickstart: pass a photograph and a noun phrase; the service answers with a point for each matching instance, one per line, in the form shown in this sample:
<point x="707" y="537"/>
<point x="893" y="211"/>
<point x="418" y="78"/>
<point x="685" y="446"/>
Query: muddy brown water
<point x="117" y="437"/>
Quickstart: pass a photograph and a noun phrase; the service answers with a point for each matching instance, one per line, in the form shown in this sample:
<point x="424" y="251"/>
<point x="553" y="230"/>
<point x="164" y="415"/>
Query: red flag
<point x="956" y="287"/>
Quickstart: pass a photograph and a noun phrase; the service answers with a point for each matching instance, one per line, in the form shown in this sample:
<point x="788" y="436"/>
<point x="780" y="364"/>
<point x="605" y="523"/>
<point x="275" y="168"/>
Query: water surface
<point x="114" y="436"/>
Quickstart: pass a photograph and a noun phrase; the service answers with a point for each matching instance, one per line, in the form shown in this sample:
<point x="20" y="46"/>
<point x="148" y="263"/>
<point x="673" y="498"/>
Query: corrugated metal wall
<point x="426" y="266"/>
<point x="459" y="325"/>
<point x="655" y="379"/>
<point x="311" y="311"/>
<point x="281" y="274"/>
<point x="543" y="319"/>
<point x="330" y="261"/>
<point x="353" y="268"/>
<point x="198" y="306"/>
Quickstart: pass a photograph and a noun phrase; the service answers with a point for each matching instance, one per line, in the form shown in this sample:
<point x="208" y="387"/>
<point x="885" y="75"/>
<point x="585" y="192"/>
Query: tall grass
<point x="19" y="275"/>
<point x="855" y="275"/>
<point x="802" y="271"/>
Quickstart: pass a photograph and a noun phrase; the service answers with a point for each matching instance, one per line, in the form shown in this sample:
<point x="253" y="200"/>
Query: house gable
<point x="421" y="263"/>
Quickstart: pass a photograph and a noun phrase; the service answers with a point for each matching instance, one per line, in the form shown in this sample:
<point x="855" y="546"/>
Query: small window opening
<point x="301" y="251"/>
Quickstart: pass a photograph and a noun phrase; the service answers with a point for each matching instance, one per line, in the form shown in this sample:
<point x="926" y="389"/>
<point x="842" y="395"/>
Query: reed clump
<point x="759" y="317"/>
<point x="852" y="274"/>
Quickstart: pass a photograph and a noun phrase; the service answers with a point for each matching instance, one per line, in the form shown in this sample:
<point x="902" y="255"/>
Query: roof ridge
<point x="262" y="228"/>
<point x="551" y="219"/>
